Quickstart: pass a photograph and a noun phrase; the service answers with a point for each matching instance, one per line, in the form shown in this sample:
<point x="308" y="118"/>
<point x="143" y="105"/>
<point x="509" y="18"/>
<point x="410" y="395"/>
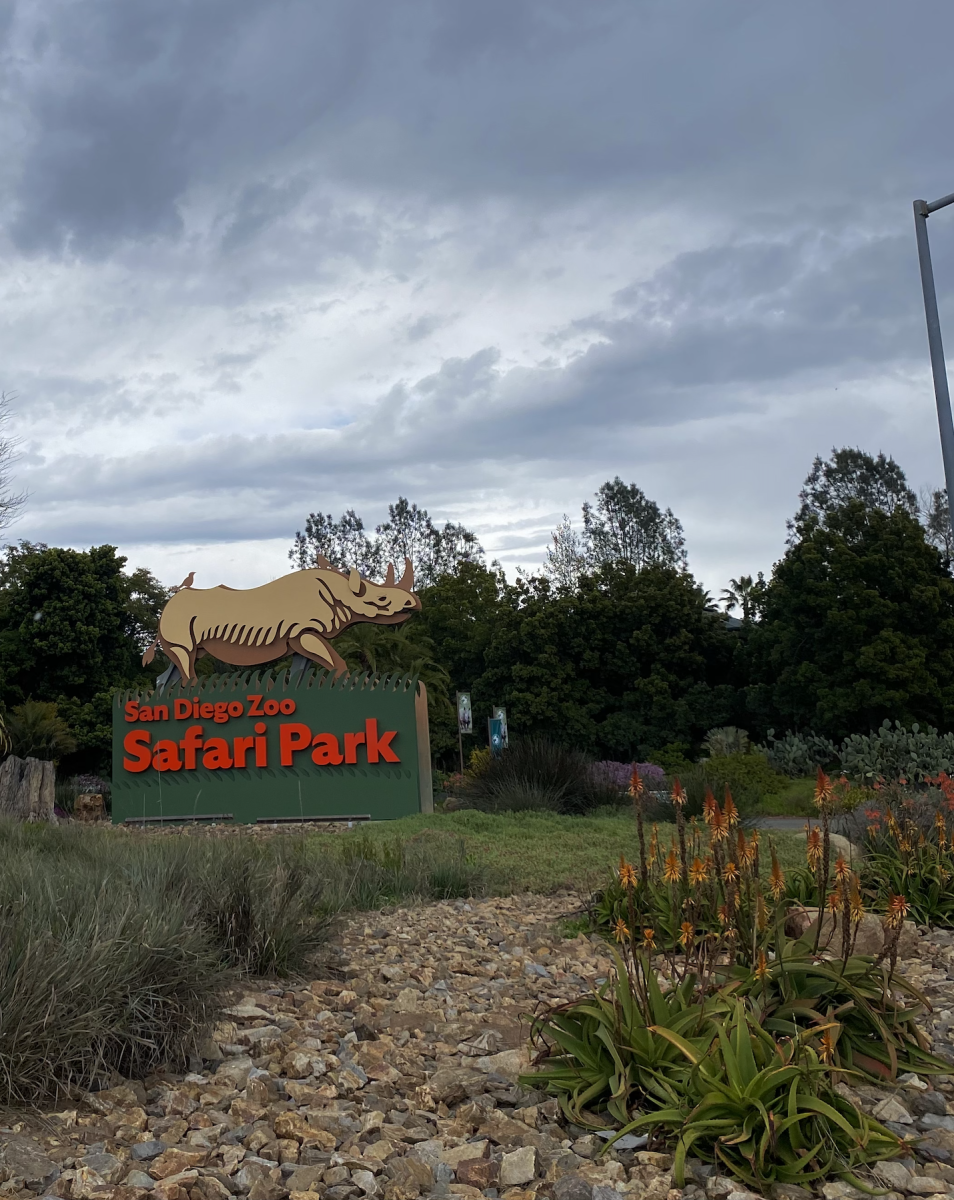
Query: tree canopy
<point x="407" y="533"/>
<point x="857" y="626"/>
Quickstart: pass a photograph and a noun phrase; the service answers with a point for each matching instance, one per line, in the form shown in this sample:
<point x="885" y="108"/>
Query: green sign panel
<point x="260" y="747"/>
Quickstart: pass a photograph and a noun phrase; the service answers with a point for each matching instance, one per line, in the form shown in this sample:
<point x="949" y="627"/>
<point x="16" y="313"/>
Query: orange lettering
<point x="292" y="737"/>
<point x="221" y="712"/>
<point x="160" y="712"/>
<point x="166" y="756"/>
<point x="183" y="709"/>
<point x="190" y="744"/>
<point x="352" y="742"/>
<point x="326" y="752"/>
<point x="136" y="742"/>
<point x="261" y="752"/>
<point x="206" y="711"/>
<point x="241" y="747"/>
<point x="215" y="755"/>
<point x="256" y="703"/>
<point x="379" y="745"/>
<point x="132" y="710"/>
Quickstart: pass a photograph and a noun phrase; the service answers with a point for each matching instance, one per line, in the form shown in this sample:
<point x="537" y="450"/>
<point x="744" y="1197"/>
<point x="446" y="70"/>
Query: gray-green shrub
<point x="891" y="752"/>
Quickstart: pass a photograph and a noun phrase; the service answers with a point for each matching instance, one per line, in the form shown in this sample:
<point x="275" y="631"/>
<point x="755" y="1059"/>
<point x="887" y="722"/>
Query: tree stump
<point x="27" y="789"/>
<point x="89" y="807"/>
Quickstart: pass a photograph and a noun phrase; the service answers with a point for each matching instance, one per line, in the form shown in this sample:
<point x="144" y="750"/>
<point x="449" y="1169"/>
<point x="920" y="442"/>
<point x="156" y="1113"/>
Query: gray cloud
<point x="262" y="259"/>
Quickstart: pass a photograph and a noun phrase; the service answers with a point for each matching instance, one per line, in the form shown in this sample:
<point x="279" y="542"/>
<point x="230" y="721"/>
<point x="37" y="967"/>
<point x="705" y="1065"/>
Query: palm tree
<point x="740" y="594"/>
<point x="390" y="650"/>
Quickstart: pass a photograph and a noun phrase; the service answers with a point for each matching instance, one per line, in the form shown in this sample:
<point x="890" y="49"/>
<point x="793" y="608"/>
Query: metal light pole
<point x="922" y="210"/>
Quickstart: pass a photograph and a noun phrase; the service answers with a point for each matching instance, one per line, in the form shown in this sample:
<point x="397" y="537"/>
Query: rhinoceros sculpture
<point x="297" y="613"/>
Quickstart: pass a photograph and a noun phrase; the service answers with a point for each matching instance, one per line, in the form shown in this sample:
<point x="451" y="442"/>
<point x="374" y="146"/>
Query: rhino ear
<point x="355" y="582"/>
<point x="322" y="561"/>
<point x="389" y="578"/>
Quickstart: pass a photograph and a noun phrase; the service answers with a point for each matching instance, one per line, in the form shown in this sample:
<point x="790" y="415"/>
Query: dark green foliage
<point x="72" y="629"/>
<point x="630" y="661"/>
<point x="625" y="526"/>
<point x="851" y="476"/>
<point x="36" y="730"/>
<point x="858" y="627"/>
<point x="537" y="774"/>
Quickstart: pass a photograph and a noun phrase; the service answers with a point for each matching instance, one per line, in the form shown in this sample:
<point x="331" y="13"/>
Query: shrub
<point x="749" y="777"/>
<point x="719" y="743"/>
<point x="895" y="753"/>
<point x="36" y="730"/>
<point x="536" y="774"/>
<point x="617" y="775"/>
<point x="891" y="752"/>
<point x="797" y="755"/>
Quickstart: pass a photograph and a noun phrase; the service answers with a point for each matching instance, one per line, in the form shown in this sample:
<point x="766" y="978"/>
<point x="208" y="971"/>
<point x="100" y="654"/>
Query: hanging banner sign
<point x="259" y="747"/>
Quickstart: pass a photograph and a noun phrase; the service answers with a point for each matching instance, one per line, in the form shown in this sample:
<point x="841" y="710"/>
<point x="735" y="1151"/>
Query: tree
<point x="745" y="593"/>
<point x="11" y="502"/>
<point x="627" y="663"/>
<point x="851" y="475"/>
<point x="936" y="518"/>
<point x="409" y="532"/>
<point x="858" y="626"/>
<point x="72" y="630"/>
<point x="625" y="526"/>
<point x="343" y="542"/>
<point x="566" y="557"/>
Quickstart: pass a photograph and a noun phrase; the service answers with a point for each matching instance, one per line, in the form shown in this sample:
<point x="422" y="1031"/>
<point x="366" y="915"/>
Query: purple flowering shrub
<point x="617" y="774"/>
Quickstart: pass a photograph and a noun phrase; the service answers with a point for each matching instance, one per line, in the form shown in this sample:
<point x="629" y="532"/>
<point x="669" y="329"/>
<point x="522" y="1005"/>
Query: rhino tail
<point x="150" y="652"/>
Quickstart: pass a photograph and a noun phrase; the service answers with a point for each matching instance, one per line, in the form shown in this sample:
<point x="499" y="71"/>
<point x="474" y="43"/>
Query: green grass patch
<point x="537" y="851"/>
<point x="795" y="800"/>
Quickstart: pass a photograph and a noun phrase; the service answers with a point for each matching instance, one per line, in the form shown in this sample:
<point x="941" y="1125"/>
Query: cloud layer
<point x="264" y="259"/>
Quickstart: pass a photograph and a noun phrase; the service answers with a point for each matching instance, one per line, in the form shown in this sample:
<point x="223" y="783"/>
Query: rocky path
<point x="394" y="1077"/>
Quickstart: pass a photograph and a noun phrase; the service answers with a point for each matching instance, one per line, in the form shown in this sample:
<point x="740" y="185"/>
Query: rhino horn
<point x="389" y="578"/>
<point x="406" y="582"/>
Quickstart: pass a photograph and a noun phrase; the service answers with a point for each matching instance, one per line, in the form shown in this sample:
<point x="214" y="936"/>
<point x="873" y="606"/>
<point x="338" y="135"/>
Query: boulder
<point x="869" y="938"/>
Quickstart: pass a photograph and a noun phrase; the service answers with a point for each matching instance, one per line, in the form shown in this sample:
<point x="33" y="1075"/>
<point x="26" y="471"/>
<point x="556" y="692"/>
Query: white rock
<point x="517" y="1167"/>
<point x="508" y="1063"/>
<point x="890" y="1110"/>
<point x="893" y="1173"/>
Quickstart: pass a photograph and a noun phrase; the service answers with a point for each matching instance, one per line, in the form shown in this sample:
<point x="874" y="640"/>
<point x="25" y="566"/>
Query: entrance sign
<point x="303" y="743"/>
<point x="250" y="747"/>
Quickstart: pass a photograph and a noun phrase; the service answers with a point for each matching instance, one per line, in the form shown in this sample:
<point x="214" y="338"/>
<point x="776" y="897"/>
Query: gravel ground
<point x="393" y="1076"/>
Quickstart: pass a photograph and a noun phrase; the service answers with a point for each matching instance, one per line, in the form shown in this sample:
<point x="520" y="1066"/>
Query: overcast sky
<point x="262" y="257"/>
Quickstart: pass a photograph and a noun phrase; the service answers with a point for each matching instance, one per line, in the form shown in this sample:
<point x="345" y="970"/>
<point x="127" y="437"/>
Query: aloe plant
<point x="703" y="1070"/>
<point x="765" y="1111"/>
<point x="870" y="1014"/>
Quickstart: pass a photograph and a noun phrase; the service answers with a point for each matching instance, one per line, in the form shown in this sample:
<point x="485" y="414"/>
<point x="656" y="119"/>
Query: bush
<point x="114" y="946"/>
<point x="891" y="752"/>
<point x="538" y="775"/>
<point x="797" y="755"/>
<point x="36" y="730"/>
<point x="724" y="741"/>
<point x="617" y="776"/>
<point x="748" y="777"/>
